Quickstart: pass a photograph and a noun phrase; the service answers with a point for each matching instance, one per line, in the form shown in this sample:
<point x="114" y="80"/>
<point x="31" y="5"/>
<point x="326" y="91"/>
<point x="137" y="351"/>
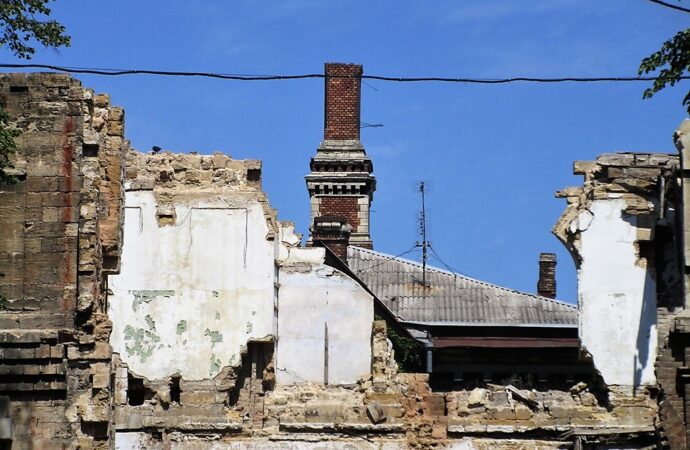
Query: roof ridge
<point x="466" y="277"/>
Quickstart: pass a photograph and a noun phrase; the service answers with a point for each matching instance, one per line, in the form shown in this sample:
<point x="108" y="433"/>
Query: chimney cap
<point x="547" y="257"/>
<point x="338" y="65"/>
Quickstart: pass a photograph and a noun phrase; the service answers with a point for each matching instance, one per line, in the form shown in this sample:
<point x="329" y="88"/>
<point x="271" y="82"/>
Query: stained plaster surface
<point x="325" y="319"/>
<point x="616" y="296"/>
<point x="190" y="295"/>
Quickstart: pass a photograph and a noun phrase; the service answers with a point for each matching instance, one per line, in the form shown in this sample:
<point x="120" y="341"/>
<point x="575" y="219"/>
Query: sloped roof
<point x="450" y="298"/>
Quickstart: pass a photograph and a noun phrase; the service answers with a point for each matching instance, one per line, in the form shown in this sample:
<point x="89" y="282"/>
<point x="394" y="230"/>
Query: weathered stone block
<point x="477" y="398"/>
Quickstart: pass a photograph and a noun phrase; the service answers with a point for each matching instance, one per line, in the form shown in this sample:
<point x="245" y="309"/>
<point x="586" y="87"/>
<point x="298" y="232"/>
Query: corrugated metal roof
<point x="450" y="298"/>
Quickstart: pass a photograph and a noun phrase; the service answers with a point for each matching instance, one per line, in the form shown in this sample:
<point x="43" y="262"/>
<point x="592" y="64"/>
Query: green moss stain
<point x="217" y="315"/>
<point x="215" y="365"/>
<point x="216" y="336"/>
<point x="141" y="342"/>
<point x="181" y="326"/>
<point x="150" y="322"/>
<point x="148" y="295"/>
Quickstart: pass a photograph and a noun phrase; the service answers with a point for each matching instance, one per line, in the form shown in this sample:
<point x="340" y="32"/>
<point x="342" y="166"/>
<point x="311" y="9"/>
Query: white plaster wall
<point x="189" y="296"/>
<point x="617" y="297"/>
<point x="308" y="302"/>
<point x="136" y="441"/>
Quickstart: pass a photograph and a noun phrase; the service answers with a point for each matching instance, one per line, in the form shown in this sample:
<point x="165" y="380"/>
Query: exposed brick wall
<point x="669" y="360"/>
<point x="343" y="83"/>
<point x="341" y="206"/>
<point x="337" y="246"/>
<point x="53" y="328"/>
<point x="40" y="215"/>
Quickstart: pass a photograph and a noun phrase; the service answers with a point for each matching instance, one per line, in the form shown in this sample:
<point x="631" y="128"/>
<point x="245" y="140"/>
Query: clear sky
<point x="493" y="155"/>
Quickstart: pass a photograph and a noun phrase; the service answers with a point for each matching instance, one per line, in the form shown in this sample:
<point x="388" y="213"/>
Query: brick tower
<point x="340" y="184"/>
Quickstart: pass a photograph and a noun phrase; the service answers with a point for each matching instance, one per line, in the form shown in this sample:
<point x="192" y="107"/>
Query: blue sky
<point x="493" y="155"/>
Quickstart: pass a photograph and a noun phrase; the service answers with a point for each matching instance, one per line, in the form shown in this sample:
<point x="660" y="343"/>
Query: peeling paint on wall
<point x="142" y="342"/>
<point x="215" y="336"/>
<point x="189" y="285"/>
<point x="147" y="296"/>
<point x="215" y="365"/>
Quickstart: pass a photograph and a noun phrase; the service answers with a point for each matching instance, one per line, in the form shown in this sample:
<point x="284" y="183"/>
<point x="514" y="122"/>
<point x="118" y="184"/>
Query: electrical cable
<point x="239" y="77"/>
<point x="438" y="258"/>
<point x="388" y="258"/>
<point x="668" y="5"/>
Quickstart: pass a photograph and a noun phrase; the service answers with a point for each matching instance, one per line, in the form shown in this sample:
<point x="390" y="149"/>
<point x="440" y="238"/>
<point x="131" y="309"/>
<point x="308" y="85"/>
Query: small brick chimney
<point x="342" y="106"/>
<point x="332" y="232"/>
<point x="341" y="185"/>
<point x="546" y="286"/>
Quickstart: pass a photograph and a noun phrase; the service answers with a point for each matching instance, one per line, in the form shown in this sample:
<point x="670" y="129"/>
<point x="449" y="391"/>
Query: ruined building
<point x="156" y="301"/>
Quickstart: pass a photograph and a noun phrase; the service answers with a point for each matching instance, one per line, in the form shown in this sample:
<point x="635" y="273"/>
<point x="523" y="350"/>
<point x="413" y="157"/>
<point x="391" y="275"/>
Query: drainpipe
<point x="429" y="346"/>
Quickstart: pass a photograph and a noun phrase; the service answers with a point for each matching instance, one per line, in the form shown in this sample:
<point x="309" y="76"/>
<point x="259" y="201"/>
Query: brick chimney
<point x="341" y="185"/>
<point x="332" y="232"/>
<point x="546" y="286"/>
<point x="342" y="106"/>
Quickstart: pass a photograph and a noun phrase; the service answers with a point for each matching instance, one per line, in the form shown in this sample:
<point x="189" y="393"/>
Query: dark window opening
<point x="89" y="150"/>
<point x="175" y="389"/>
<point x="97" y="430"/>
<point x="136" y="391"/>
<point x="253" y="174"/>
<point x="18" y="89"/>
<point x="110" y="262"/>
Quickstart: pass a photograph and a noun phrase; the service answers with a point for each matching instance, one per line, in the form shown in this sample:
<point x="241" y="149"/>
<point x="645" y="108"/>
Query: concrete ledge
<point x="330" y="426"/>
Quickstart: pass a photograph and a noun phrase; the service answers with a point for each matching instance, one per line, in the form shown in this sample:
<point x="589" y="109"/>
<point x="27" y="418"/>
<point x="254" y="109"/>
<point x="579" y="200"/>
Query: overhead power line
<point x="669" y="5"/>
<point x="389" y="258"/>
<point x="448" y="267"/>
<point x="239" y="77"/>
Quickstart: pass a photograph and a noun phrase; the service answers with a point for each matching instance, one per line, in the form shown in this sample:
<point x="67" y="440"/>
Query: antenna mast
<point x="422" y="230"/>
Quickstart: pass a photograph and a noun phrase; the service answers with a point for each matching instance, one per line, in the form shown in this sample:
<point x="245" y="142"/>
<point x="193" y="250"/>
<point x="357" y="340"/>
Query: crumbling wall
<point x="608" y="226"/>
<point x="198" y="266"/>
<point x="399" y="411"/>
<point x="201" y="271"/>
<point x="60" y="222"/>
<point x="674" y="319"/>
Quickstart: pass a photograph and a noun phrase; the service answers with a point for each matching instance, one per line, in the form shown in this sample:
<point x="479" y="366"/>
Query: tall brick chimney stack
<point x="546" y="286"/>
<point x="343" y="95"/>
<point x="341" y="185"/>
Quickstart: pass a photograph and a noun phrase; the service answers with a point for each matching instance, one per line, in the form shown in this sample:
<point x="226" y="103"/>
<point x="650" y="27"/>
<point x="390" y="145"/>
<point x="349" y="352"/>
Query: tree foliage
<point x="25" y="22"/>
<point x="674" y="61"/>
<point x="407" y="352"/>
<point x="7" y="147"/>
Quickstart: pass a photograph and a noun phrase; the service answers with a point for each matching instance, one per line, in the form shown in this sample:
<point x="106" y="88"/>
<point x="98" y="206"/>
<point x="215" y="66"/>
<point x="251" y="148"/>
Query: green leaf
<point x="672" y="61"/>
<point x="24" y="23"/>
